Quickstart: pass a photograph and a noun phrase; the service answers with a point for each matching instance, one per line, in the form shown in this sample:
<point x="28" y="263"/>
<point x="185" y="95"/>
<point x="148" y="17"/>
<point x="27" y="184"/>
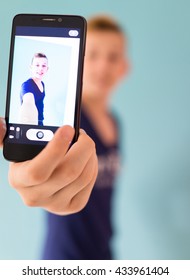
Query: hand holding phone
<point x="57" y="179"/>
<point x="44" y="81"/>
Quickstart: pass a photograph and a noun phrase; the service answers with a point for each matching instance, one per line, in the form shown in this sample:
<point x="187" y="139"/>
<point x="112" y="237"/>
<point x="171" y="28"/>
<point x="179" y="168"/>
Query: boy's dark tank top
<point x="86" y="235"/>
<point x="30" y="86"/>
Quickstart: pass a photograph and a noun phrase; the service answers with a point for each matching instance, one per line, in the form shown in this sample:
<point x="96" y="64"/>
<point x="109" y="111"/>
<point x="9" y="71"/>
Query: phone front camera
<point x="59" y="19"/>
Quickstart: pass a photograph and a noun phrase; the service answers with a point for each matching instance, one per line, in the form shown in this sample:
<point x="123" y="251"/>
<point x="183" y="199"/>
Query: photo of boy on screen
<point x="32" y="92"/>
<point x="43" y="86"/>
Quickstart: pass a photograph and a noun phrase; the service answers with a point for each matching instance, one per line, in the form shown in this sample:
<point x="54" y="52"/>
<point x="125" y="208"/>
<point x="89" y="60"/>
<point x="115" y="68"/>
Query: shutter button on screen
<point x="39" y="134"/>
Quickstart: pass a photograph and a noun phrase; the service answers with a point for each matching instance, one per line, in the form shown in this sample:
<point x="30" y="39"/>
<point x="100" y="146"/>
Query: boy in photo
<point x="32" y="92"/>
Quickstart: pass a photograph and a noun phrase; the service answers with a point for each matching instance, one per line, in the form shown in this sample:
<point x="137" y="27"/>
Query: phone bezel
<point x="22" y="152"/>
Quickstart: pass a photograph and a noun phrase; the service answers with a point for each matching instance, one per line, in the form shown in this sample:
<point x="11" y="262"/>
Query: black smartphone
<point x="44" y="81"/>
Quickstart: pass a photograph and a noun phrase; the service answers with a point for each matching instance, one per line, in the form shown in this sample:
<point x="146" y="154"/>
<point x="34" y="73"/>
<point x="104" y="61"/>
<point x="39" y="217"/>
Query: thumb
<point x="40" y="168"/>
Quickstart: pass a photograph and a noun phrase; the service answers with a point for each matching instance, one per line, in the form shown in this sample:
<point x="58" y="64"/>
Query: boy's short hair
<point x="39" y="55"/>
<point x="103" y="23"/>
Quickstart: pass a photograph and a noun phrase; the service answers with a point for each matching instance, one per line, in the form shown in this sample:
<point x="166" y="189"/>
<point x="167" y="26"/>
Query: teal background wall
<point x="151" y="205"/>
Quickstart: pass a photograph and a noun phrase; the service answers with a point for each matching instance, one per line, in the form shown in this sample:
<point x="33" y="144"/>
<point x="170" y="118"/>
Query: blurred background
<point x="152" y="198"/>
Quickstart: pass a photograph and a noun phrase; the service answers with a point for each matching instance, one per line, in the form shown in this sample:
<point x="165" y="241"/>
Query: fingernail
<point x="67" y="133"/>
<point x="82" y="131"/>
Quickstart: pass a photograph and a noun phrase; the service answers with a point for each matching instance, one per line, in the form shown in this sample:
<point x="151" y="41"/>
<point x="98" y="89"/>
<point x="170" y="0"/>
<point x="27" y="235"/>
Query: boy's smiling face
<point x="105" y="62"/>
<point x="39" y="67"/>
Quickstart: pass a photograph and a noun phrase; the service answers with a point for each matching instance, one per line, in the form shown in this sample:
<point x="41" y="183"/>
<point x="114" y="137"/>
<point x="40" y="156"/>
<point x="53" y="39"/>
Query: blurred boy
<point x="87" y="234"/>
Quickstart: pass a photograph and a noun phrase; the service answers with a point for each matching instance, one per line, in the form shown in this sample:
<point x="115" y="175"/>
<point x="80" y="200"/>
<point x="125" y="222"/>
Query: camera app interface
<point x="44" y="81"/>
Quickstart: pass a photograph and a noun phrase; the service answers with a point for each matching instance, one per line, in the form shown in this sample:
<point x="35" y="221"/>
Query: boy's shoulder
<point x="28" y="82"/>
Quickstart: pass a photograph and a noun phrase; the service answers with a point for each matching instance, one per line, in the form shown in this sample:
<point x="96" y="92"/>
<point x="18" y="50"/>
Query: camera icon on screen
<point x="39" y="134"/>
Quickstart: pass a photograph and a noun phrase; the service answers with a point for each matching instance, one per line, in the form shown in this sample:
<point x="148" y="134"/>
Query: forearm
<point x="28" y="113"/>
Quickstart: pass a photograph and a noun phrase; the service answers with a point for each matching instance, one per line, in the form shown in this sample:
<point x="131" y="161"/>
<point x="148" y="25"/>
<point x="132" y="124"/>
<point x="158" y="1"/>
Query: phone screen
<point x="43" y="80"/>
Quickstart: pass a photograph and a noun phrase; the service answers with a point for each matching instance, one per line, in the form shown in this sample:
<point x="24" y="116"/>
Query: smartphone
<point x="44" y="81"/>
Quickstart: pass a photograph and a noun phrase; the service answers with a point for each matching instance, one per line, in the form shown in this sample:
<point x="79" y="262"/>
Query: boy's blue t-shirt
<point x="31" y="86"/>
<point x="86" y="234"/>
